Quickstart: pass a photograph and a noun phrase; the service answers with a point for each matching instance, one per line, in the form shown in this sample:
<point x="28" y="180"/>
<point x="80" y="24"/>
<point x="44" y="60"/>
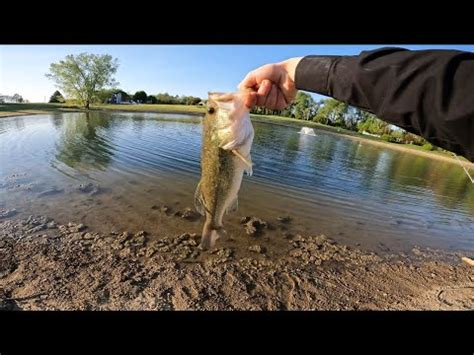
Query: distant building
<point x="116" y="98"/>
<point x="5" y="99"/>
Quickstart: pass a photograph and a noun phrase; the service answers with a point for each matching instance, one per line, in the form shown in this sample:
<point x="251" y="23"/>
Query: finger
<point x="249" y="81"/>
<point x="280" y="102"/>
<point x="251" y="99"/>
<point x="271" y="98"/>
<point x="263" y="91"/>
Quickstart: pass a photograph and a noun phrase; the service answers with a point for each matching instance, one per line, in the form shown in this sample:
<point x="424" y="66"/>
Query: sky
<point x="177" y="69"/>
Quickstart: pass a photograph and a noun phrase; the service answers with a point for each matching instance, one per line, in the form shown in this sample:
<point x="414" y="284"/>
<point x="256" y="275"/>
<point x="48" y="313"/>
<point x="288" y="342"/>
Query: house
<point x="5" y="99"/>
<point x="116" y="98"/>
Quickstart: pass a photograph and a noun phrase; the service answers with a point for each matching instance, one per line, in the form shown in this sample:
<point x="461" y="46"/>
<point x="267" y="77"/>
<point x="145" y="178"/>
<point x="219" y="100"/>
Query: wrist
<point x="290" y="65"/>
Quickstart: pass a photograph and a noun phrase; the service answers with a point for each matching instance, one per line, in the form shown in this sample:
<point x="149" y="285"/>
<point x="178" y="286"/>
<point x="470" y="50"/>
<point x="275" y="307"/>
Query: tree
<point x="371" y="124"/>
<point x="104" y="95"/>
<point x="190" y="100"/>
<point x="304" y="106"/>
<point x="332" y="112"/>
<point x="151" y="100"/>
<point x="57" y="97"/>
<point x="140" y="96"/>
<point x="17" y="98"/>
<point x="82" y="76"/>
<point x="165" y="98"/>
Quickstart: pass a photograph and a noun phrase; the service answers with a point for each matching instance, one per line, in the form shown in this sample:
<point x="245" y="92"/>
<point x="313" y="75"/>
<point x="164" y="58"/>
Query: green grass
<point x="26" y="109"/>
<point x="151" y="108"/>
<point x="7" y="110"/>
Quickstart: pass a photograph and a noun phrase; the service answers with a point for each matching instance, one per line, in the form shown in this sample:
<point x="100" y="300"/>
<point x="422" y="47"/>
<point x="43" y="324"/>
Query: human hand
<point x="271" y="85"/>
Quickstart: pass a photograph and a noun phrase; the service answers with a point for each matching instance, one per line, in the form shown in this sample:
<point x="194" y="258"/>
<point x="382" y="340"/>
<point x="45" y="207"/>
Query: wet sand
<point x="48" y="266"/>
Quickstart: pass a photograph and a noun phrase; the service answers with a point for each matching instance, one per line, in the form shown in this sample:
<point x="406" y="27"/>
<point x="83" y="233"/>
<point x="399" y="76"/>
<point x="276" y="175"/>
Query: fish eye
<point x="210" y="109"/>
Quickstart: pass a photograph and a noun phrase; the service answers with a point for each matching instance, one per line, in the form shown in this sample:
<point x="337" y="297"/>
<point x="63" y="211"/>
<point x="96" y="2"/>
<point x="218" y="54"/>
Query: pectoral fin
<point x="247" y="161"/>
<point x="199" y="201"/>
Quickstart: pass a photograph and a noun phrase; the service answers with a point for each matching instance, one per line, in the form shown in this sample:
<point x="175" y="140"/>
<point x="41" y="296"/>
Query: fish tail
<point x="210" y="235"/>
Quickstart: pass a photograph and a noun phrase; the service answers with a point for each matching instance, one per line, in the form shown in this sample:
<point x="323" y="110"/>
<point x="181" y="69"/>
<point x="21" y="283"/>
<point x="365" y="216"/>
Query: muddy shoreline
<point x="48" y="266"/>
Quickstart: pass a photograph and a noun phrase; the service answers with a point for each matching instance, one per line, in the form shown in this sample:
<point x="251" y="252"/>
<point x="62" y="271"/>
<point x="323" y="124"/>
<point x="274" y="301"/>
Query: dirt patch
<point x="45" y="265"/>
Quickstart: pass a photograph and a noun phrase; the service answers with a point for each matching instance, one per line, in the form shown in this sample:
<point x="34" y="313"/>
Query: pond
<point x="107" y="170"/>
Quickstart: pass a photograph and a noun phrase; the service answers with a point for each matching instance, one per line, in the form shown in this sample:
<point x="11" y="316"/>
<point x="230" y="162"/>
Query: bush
<point x="386" y="138"/>
<point x="427" y="146"/>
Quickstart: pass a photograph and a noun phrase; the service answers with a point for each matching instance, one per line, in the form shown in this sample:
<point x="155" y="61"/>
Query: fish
<point x="225" y="155"/>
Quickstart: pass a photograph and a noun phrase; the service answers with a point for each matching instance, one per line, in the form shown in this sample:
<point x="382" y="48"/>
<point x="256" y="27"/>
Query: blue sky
<point x="178" y="69"/>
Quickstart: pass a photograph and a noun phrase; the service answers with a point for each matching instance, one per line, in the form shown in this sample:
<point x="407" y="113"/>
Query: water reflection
<point x="84" y="142"/>
<point x="358" y="168"/>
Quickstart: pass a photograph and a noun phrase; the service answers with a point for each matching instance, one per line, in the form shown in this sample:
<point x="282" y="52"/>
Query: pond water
<point x="106" y="170"/>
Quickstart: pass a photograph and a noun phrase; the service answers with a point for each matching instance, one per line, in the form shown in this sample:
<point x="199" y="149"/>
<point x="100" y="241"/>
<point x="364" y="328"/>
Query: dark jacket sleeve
<point x="429" y="92"/>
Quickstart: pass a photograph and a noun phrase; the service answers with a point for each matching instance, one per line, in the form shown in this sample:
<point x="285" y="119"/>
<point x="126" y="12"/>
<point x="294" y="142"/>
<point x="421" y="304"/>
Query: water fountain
<point x="308" y="131"/>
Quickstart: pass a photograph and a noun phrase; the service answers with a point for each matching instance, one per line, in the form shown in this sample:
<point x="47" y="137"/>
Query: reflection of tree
<point x="57" y="120"/>
<point x="138" y="122"/>
<point x="290" y="148"/>
<point x="451" y="187"/>
<point x="81" y="145"/>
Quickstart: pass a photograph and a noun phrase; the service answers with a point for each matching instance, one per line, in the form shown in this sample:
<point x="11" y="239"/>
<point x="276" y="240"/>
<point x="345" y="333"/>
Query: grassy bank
<point x="7" y="110"/>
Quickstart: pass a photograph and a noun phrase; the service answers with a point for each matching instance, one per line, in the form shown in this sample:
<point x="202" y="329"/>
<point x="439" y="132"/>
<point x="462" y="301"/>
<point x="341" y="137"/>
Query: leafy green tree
<point x="140" y="96"/>
<point x="165" y="99"/>
<point x="304" y="106"/>
<point x="151" y="100"/>
<point x="104" y="95"/>
<point x="82" y="76"/>
<point x="332" y="112"/>
<point x="190" y="100"/>
<point x="373" y="125"/>
<point x="57" y="97"/>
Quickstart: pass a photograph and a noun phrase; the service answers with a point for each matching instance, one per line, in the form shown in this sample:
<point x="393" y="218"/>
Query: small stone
<point x="416" y="251"/>
<point x="154" y="207"/>
<point x="190" y="215"/>
<point x="150" y="252"/>
<point x="244" y="220"/>
<point x="284" y="219"/>
<point x="51" y="225"/>
<point x="255" y="226"/>
<point x="296" y="253"/>
<point x="256" y="248"/>
<point x="88" y="236"/>
<point x="165" y="209"/>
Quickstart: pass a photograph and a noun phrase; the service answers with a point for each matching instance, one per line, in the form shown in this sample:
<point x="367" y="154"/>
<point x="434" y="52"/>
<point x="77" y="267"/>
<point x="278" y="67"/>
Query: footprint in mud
<point x="458" y="297"/>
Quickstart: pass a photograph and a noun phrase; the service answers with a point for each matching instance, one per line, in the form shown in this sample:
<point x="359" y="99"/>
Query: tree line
<point x="88" y="78"/>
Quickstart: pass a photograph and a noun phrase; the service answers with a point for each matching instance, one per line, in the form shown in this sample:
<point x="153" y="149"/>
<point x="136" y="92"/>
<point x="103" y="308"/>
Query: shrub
<point x="427" y="146"/>
<point x="386" y="138"/>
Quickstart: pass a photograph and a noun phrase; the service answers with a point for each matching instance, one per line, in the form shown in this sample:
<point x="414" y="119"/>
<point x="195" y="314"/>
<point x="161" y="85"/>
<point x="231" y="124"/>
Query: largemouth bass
<point x="227" y="139"/>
